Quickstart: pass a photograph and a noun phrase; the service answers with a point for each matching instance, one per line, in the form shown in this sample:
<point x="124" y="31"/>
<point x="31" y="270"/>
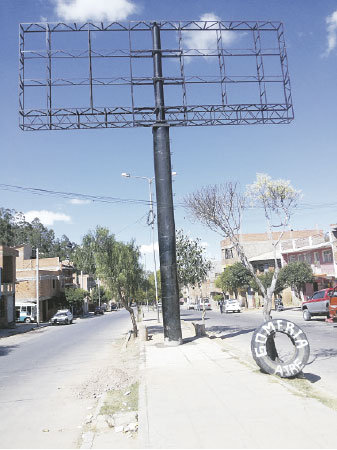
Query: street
<point x="237" y="329"/>
<point x="44" y="373"/>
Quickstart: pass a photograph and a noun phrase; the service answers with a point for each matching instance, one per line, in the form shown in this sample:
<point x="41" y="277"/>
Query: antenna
<point x="159" y="75"/>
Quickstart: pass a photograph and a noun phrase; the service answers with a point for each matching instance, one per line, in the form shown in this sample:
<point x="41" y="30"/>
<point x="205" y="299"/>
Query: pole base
<point x="169" y="343"/>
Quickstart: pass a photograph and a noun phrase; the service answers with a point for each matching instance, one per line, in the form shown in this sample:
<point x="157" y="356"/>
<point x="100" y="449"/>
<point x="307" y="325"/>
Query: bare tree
<point x="220" y="208"/>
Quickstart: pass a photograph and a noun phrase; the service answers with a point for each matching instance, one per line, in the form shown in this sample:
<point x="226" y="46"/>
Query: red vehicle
<point x="318" y="304"/>
<point x="333" y="303"/>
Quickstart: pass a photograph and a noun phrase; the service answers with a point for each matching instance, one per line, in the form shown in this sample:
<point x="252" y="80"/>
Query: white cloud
<point x="46" y="217"/>
<point x="332" y="32"/>
<point x="95" y="10"/>
<point x="207" y="40"/>
<point x="148" y="248"/>
<point x="78" y="201"/>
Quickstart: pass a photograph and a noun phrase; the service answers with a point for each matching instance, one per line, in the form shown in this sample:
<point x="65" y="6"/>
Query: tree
<point x="233" y="278"/>
<point x="75" y="296"/>
<point x="220" y="208"/>
<point x="295" y="275"/>
<point x="15" y="231"/>
<point x="192" y="265"/>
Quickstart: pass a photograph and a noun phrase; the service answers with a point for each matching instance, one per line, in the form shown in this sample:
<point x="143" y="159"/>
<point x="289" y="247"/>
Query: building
<point x="7" y="286"/>
<point x="54" y="276"/>
<point x="319" y="251"/>
<point x="84" y="281"/>
<point x="259" y="248"/>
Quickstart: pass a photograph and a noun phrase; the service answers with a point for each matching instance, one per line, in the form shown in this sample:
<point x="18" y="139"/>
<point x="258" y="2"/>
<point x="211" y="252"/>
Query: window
<point x="54" y="284"/>
<point x="228" y="253"/>
<point x="301" y="258"/>
<point x="327" y="256"/>
<point x="308" y="258"/>
<point x="319" y="294"/>
<point x="316" y="258"/>
<point x="292" y="258"/>
<point x="2" y="306"/>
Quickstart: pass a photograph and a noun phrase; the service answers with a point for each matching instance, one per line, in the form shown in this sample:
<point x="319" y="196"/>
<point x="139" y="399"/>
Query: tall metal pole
<point x="37" y="289"/>
<point x="165" y="214"/>
<point x="153" y="250"/>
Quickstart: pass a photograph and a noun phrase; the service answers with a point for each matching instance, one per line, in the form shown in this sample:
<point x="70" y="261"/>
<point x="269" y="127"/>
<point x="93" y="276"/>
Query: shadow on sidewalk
<point x="5" y="349"/>
<point x="227" y="332"/>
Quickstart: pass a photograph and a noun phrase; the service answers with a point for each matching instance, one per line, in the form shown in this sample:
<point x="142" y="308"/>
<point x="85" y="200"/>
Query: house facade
<point x="259" y="249"/>
<point x="7" y="286"/>
<point x="53" y="277"/>
<point x="320" y="252"/>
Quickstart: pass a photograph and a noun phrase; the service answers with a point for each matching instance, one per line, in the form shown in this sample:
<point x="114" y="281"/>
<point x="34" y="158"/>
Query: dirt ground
<point x="114" y="422"/>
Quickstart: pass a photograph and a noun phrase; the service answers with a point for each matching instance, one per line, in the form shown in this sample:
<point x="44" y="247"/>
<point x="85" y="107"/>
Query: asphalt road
<point x="39" y="374"/>
<point x="237" y="329"/>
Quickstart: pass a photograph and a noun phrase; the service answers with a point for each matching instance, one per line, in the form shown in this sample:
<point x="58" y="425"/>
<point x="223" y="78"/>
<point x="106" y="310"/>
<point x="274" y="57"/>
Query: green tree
<point x="192" y="264"/>
<point x="295" y="275"/>
<point x="15" y="231"/>
<point x="75" y="296"/>
<point x="234" y="278"/>
<point x="99" y="293"/>
<point x="117" y="263"/>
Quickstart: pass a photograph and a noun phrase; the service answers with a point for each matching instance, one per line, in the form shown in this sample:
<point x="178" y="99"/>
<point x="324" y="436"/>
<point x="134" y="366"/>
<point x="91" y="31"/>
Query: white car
<point x="205" y="303"/>
<point x="62" y="316"/>
<point x="232" y="305"/>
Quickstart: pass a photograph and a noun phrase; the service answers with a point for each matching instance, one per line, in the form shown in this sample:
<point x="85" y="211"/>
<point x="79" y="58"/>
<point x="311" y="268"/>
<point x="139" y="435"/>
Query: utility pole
<point x="153" y="250"/>
<point x="37" y="289"/>
<point x="165" y="214"/>
<point x="150" y="222"/>
<point x="99" y="291"/>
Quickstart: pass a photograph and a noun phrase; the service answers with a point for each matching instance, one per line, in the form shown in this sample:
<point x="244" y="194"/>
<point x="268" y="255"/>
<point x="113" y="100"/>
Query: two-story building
<point x="7" y="286"/>
<point x="53" y="276"/>
<point x="318" y="251"/>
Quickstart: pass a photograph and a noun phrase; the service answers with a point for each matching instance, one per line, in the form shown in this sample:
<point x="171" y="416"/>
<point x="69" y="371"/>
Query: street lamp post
<point x="37" y="289"/>
<point x="150" y="222"/>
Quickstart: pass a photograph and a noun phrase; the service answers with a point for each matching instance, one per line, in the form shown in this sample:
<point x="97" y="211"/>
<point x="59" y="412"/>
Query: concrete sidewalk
<point x="203" y="395"/>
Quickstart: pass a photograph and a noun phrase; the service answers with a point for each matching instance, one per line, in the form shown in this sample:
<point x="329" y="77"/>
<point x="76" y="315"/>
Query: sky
<point x="91" y="161"/>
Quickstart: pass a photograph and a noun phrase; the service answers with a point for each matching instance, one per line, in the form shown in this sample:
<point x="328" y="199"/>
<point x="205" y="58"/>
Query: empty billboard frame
<point x="100" y="75"/>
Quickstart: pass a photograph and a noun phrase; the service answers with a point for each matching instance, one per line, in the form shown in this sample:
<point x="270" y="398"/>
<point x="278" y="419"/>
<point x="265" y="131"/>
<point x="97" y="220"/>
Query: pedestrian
<point x="221" y="306"/>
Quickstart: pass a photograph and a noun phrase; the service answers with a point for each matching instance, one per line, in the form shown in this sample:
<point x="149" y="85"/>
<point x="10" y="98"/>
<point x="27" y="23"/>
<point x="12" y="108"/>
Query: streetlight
<point x="150" y="221"/>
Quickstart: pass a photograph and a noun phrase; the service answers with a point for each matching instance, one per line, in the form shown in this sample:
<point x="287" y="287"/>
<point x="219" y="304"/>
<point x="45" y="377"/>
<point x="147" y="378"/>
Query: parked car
<point x="62" y="316"/>
<point x="318" y="304"/>
<point x="232" y="305"/>
<point x="192" y="305"/>
<point x="98" y="310"/>
<point x="205" y="303"/>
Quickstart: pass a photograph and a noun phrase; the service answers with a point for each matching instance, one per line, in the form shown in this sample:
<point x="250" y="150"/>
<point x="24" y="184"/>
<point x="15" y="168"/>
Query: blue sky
<point x="91" y="162"/>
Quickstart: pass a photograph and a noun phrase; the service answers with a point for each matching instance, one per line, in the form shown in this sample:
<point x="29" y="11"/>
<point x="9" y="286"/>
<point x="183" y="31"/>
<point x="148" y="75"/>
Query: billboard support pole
<point x="165" y="212"/>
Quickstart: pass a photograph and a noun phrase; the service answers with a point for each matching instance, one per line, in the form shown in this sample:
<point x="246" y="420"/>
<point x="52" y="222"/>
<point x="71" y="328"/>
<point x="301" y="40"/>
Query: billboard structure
<point x="158" y="75"/>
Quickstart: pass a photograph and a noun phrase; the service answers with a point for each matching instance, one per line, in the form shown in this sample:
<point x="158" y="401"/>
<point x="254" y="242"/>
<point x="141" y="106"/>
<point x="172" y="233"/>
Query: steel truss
<point x="182" y="113"/>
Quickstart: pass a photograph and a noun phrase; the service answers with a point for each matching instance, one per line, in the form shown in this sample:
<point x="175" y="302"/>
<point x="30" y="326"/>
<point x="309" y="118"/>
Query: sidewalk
<point x="21" y="328"/>
<point x="203" y="395"/>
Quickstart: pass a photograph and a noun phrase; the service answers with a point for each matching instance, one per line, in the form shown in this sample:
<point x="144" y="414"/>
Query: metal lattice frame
<point x="182" y="114"/>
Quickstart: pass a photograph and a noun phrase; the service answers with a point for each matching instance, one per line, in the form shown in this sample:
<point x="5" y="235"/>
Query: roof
<point x="266" y="256"/>
<point x="261" y="237"/>
<point x="307" y="247"/>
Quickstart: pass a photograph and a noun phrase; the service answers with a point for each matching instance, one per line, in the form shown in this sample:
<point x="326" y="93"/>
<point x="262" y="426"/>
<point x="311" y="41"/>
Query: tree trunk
<point x="133" y="319"/>
<point x="125" y="303"/>
<point x="267" y="304"/>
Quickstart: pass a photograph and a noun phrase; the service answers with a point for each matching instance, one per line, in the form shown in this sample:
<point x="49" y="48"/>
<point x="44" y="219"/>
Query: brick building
<point x="7" y="286"/>
<point x="54" y="276"/>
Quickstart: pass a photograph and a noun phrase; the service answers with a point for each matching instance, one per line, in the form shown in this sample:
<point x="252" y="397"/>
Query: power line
<point x="71" y="195"/>
<point x="112" y="200"/>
